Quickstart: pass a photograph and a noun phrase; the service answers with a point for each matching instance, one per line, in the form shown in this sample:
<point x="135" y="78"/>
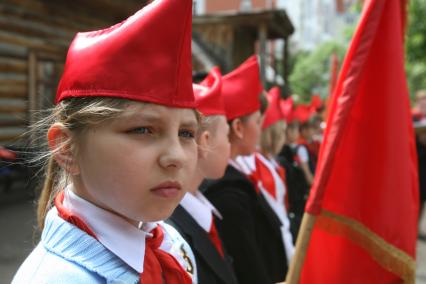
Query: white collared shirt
<point x="234" y="164"/>
<point x="200" y="208"/>
<point x="116" y="234"/>
<point x="127" y="241"/>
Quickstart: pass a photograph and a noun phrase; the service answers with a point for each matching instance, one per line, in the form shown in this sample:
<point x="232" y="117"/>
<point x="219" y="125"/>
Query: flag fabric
<point x="365" y="193"/>
<point x="334" y="69"/>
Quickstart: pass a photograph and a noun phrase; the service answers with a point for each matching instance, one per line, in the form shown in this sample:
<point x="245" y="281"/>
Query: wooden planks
<point x="35" y="35"/>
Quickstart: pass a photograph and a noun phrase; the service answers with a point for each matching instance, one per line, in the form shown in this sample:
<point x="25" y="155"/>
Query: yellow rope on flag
<point x="388" y="256"/>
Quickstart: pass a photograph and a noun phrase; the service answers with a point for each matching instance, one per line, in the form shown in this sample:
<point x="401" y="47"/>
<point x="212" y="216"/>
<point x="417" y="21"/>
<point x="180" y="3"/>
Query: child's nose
<point x="173" y="155"/>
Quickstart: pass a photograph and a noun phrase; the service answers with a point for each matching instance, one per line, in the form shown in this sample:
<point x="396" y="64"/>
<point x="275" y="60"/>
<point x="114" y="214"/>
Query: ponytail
<point x="47" y="192"/>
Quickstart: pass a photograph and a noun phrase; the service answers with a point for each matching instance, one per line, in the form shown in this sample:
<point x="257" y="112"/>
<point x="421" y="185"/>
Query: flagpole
<point x="302" y="243"/>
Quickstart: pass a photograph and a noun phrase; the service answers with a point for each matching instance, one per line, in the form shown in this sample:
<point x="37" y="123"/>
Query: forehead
<point x="158" y="113"/>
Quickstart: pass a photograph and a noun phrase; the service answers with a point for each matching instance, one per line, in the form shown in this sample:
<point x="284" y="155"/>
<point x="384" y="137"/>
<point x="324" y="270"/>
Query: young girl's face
<point x="251" y="130"/>
<point x="218" y="150"/>
<point x="138" y="164"/>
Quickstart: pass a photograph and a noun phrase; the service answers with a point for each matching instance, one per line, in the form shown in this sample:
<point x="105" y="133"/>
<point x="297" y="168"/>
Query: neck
<point x="234" y="152"/>
<point x="79" y="189"/>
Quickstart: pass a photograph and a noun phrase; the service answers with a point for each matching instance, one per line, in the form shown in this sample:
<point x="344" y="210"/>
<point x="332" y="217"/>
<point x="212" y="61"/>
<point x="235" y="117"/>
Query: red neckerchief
<point x="159" y="266"/>
<point x="215" y="239"/>
<point x="265" y="176"/>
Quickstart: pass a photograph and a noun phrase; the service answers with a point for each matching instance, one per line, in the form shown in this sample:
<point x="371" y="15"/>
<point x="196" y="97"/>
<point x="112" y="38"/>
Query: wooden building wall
<point x="34" y="38"/>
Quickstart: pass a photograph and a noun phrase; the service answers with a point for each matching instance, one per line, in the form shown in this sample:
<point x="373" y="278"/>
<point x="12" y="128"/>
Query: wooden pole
<point x="302" y="243"/>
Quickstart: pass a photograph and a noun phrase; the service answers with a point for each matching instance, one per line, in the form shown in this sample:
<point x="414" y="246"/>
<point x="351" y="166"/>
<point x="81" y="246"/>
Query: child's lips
<point x="167" y="189"/>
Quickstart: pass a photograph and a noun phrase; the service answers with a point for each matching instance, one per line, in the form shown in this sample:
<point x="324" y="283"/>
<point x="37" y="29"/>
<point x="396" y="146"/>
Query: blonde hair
<point x="77" y="115"/>
<point x="210" y="123"/>
<point x="270" y="137"/>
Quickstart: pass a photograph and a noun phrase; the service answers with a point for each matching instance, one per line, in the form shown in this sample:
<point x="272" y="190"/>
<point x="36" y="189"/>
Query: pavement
<point x="18" y="237"/>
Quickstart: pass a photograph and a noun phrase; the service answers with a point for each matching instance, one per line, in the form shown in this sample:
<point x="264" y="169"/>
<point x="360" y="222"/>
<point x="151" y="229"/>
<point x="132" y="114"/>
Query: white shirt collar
<point x="200" y="209"/>
<point x="112" y="231"/>
<point x="247" y="163"/>
<point x="235" y="165"/>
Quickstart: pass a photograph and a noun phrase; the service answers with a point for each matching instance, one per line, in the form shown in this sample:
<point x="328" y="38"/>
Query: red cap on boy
<point x="145" y="58"/>
<point x="241" y="89"/>
<point x="273" y="112"/>
<point x="208" y="94"/>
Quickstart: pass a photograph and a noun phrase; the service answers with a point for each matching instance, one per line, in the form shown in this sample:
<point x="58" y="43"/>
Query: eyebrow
<point x="155" y="118"/>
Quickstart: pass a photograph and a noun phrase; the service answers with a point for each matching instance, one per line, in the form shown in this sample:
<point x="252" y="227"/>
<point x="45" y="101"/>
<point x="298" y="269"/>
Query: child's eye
<point x="142" y="130"/>
<point x="187" y="134"/>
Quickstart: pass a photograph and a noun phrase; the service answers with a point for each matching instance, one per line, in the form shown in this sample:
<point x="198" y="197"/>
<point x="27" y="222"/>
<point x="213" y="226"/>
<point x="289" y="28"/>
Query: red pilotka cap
<point x="273" y="112"/>
<point x="286" y="106"/>
<point x="241" y="89"/>
<point x="208" y="94"/>
<point x="145" y="58"/>
<point x="301" y="113"/>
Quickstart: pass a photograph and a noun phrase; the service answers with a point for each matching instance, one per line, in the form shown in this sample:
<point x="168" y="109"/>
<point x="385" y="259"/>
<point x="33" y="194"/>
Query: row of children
<point x="128" y="148"/>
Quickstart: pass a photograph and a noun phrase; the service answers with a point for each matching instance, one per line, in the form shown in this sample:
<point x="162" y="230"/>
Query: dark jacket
<point x="250" y="229"/>
<point x="212" y="268"/>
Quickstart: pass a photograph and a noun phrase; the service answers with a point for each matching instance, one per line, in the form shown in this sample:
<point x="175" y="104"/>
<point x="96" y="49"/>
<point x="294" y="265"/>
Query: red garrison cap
<point x="273" y="112"/>
<point x="208" y="94"/>
<point x="241" y="89"/>
<point x="301" y="113"/>
<point x="145" y="58"/>
<point x="286" y="107"/>
<point x="316" y="102"/>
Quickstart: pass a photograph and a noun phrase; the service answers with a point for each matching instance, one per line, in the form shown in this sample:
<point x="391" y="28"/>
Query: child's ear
<point x="237" y="128"/>
<point x="203" y="144"/>
<point x="59" y="142"/>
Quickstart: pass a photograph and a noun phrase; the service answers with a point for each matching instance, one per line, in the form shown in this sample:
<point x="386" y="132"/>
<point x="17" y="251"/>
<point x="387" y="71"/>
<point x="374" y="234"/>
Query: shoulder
<point x="233" y="183"/>
<point x="42" y="266"/>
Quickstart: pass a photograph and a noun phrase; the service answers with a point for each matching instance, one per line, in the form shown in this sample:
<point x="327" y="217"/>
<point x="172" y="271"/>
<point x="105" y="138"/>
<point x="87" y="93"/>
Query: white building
<point x="318" y="21"/>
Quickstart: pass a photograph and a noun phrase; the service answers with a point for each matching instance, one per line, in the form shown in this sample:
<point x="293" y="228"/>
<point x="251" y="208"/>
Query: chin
<point x="159" y="216"/>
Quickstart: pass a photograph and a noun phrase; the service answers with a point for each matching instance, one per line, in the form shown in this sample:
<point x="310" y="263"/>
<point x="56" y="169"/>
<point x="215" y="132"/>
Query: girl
<point x="196" y="218"/>
<point x="122" y="142"/>
<point x="250" y="229"/>
<point x="297" y="185"/>
<point x="264" y="171"/>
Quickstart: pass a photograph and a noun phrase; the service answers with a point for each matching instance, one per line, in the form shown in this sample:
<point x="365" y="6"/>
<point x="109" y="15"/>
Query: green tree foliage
<point x="311" y="71"/>
<point x="416" y="45"/>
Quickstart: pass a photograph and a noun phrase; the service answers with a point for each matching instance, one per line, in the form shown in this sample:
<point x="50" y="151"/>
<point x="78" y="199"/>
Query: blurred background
<point x="300" y="43"/>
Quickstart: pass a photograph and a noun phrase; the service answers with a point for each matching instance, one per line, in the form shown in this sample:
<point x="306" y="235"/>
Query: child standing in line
<point x="196" y="218"/>
<point x="122" y="146"/>
<point x="250" y="229"/>
<point x="265" y="172"/>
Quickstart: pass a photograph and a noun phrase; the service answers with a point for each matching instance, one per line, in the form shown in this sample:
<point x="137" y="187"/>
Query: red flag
<point x="334" y="68"/>
<point x="365" y="193"/>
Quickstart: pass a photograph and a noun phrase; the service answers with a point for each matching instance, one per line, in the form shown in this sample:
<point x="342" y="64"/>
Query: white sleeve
<point x="302" y="153"/>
